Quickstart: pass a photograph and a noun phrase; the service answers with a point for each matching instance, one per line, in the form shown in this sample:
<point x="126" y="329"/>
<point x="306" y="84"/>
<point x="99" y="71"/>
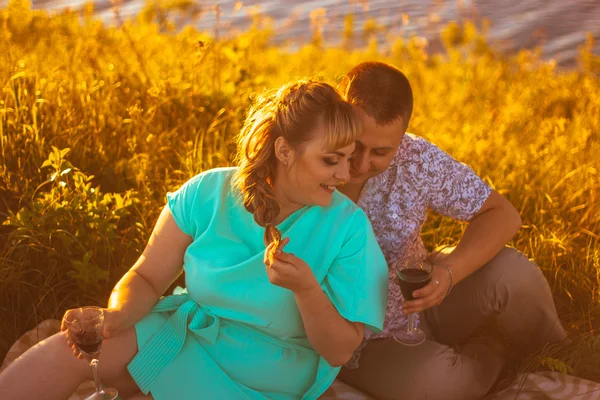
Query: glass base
<point x="412" y="338"/>
<point x="104" y="394"/>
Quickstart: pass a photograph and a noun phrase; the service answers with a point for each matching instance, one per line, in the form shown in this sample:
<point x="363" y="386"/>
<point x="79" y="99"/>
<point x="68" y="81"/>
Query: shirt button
<point x="394" y="215"/>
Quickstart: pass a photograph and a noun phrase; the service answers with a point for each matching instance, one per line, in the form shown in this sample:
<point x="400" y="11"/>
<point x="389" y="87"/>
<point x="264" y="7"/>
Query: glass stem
<point x="410" y="327"/>
<point x="94" y="366"/>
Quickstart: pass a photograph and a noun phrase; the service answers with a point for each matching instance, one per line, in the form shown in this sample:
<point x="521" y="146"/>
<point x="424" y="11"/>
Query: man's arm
<point x="488" y="231"/>
<point x="453" y="189"/>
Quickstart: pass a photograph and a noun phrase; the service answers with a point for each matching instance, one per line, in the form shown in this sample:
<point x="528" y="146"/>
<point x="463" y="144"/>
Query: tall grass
<point x="141" y="110"/>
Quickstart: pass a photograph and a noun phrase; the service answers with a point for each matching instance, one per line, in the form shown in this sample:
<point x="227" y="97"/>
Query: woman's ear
<point x="283" y="151"/>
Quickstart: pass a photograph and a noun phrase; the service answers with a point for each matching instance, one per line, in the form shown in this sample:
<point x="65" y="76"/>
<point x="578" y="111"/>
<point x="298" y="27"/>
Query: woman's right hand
<point x="112" y="326"/>
<point x="273" y="250"/>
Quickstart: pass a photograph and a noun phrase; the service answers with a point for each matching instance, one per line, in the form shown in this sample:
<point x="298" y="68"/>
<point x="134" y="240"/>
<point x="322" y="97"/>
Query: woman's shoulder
<point x="207" y="185"/>
<point x="214" y="178"/>
<point x="342" y="206"/>
<point x="221" y="173"/>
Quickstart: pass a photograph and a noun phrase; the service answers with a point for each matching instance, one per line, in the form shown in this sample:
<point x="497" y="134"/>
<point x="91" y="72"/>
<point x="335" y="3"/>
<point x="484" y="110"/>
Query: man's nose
<point x="360" y="162"/>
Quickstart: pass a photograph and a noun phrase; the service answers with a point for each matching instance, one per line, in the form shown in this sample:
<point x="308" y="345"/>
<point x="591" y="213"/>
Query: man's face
<point x="375" y="148"/>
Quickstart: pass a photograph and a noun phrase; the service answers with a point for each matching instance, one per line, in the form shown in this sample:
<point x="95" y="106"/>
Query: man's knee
<point x="512" y="268"/>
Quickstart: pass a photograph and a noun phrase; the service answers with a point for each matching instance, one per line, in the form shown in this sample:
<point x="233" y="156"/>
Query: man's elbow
<point x="518" y="222"/>
<point x="509" y="216"/>
<point x="516" y="218"/>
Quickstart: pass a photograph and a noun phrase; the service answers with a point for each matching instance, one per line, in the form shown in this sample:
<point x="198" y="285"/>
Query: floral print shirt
<point x="421" y="177"/>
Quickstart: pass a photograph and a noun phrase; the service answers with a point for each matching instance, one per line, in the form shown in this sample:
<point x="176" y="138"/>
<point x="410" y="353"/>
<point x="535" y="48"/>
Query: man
<point x="397" y="178"/>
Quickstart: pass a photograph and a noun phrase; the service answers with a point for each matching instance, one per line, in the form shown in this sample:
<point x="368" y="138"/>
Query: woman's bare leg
<point x="49" y="370"/>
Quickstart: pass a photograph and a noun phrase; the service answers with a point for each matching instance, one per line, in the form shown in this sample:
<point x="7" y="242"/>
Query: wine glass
<point x="84" y="326"/>
<point x="412" y="276"/>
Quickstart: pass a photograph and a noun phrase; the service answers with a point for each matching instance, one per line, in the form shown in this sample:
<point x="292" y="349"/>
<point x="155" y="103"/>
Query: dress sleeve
<point x="189" y="207"/>
<point x="357" y="281"/>
<point x="453" y="188"/>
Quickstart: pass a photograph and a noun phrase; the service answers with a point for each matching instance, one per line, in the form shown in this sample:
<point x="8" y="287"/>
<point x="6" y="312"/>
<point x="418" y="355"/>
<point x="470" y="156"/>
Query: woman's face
<point x="312" y="173"/>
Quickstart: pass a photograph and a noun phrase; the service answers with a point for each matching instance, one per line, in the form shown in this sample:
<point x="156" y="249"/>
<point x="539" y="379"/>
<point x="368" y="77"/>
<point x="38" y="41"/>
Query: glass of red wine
<point x="84" y="326"/>
<point x="412" y="276"/>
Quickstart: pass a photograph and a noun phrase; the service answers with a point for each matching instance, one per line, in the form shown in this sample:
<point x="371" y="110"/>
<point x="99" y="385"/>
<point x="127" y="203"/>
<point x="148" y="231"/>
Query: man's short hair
<point x="380" y="90"/>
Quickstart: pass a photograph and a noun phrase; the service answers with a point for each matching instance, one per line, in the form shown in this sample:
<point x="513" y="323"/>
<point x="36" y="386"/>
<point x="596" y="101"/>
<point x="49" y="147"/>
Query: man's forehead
<point x="383" y="137"/>
<point x="372" y="127"/>
<point x="374" y="141"/>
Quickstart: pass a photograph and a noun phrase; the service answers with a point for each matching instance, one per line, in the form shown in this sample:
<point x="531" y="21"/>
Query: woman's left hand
<point x="430" y="295"/>
<point x="290" y="272"/>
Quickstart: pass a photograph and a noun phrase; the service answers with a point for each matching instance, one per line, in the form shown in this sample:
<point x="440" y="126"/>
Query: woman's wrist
<point x="308" y="290"/>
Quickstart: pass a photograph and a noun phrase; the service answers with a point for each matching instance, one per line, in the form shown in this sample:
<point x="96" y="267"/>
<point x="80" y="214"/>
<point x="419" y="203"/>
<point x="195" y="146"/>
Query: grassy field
<point x="97" y="123"/>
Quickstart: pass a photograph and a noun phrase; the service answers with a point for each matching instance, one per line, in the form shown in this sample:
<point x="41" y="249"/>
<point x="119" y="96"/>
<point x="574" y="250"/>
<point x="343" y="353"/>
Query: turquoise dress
<point x="234" y="335"/>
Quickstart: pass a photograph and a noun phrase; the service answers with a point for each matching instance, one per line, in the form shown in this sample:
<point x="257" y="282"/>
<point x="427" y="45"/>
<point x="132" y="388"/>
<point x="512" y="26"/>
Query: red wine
<point x="412" y="279"/>
<point x="88" y="342"/>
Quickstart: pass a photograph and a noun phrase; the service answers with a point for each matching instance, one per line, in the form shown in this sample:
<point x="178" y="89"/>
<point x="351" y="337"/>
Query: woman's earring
<point x="285" y="163"/>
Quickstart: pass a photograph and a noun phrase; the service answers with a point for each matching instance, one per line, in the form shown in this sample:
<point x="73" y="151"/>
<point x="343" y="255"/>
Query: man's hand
<point x="430" y="295"/>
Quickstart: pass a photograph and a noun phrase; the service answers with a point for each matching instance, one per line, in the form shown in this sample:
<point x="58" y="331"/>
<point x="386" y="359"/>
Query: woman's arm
<point x="156" y="269"/>
<point x="330" y="334"/>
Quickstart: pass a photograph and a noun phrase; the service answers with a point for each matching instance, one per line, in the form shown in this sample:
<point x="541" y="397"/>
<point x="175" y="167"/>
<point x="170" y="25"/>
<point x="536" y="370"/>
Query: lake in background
<point x="558" y="26"/>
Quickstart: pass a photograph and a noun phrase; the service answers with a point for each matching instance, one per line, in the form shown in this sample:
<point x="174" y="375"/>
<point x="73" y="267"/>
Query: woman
<point x="242" y="331"/>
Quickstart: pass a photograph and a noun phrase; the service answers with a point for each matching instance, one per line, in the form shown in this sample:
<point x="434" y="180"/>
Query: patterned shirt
<point x="421" y="177"/>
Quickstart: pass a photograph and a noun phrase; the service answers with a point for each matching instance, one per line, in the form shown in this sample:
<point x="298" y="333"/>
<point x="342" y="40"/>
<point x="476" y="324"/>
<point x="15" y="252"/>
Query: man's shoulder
<point x="413" y="147"/>
<point x="416" y="165"/>
<point x="417" y="153"/>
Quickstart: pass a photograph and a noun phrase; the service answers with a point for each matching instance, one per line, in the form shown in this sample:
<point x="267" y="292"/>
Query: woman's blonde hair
<point x="293" y="112"/>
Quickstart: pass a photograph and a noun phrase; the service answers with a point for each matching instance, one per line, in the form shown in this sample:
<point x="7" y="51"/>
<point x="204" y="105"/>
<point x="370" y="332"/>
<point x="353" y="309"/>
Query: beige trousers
<point x="458" y="362"/>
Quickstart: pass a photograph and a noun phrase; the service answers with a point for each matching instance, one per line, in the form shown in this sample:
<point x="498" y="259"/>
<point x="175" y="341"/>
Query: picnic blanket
<point x="544" y="385"/>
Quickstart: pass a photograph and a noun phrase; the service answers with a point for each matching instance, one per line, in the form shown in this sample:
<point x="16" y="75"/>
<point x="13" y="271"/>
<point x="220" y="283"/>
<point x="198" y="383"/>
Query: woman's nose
<point x="343" y="172"/>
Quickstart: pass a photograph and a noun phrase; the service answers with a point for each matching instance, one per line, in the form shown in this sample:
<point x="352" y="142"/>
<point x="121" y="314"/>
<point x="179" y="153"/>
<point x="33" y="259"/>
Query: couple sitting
<point x="348" y="191"/>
